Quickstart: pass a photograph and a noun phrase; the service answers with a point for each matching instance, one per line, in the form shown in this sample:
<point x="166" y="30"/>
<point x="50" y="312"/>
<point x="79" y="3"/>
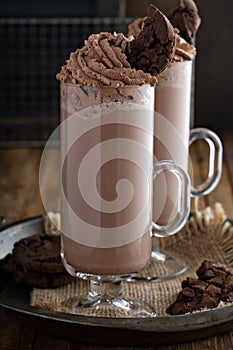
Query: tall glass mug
<point x="172" y="140"/>
<point x="107" y="173"/>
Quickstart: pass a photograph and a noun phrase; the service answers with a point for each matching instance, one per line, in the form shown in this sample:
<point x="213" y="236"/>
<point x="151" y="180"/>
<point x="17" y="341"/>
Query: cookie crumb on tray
<point x="213" y="288"/>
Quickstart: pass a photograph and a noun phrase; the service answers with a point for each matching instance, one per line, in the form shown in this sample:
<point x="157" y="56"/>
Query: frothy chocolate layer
<point x="186" y="18"/>
<point x="153" y="48"/>
<point x="103" y="62"/>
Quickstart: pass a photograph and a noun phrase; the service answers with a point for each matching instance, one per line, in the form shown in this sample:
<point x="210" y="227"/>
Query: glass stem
<point x="105" y="290"/>
<point x="155" y="244"/>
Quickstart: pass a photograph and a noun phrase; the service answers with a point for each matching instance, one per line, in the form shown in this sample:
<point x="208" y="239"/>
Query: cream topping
<point x="103" y="62"/>
<point x="183" y="50"/>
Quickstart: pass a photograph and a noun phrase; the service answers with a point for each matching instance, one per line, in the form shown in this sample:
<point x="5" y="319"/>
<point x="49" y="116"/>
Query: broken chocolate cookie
<point x="185" y="17"/>
<point x="35" y="261"/>
<point x="40" y="252"/>
<point x="153" y="48"/>
<point x="213" y="285"/>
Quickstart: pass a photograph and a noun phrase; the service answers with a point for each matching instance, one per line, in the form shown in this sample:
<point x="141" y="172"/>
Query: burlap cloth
<point x="207" y="234"/>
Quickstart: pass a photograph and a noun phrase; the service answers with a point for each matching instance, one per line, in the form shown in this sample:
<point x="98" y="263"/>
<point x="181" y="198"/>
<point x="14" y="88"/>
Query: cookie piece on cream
<point x="153" y="48"/>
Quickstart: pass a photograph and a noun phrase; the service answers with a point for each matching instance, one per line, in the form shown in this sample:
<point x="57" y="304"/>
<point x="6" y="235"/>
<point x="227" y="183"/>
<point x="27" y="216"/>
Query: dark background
<point x="37" y="36"/>
<point x="214" y="74"/>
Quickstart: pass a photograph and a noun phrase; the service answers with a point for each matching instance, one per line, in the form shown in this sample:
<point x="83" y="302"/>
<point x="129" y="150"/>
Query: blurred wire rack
<point x="32" y="52"/>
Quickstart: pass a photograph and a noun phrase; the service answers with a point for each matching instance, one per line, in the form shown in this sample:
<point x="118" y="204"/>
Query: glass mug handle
<point x="215" y="160"/>
<point x="183" y="196"/>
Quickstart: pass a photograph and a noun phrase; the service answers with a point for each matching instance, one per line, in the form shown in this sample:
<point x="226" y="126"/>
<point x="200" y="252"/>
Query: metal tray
<point x="106" y="331"/>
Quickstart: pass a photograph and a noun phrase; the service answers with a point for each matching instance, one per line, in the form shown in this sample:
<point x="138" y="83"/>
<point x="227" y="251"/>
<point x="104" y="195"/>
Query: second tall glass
<point x="172" y="140"/>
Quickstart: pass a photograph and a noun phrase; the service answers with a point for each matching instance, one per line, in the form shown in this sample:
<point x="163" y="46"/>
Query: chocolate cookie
<point x="35" y="262"/>
<point x="36" y="279"/>
<point x="40" y="252"/>
<point x="214" y="284"/>
<point x="153" y="48"/>
<point x="185" y="17"/>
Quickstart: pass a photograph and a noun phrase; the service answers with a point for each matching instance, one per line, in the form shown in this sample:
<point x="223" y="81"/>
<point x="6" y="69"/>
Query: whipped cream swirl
<point x="103" y="62"/>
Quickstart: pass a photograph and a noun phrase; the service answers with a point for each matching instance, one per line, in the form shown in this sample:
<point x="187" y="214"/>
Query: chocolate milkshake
<point x="172" y="130"/>
<point x="173" y="102"/>
<point x="106" y="197"/>
<point x="172" y="105"/>
<point x="107" y="114"/>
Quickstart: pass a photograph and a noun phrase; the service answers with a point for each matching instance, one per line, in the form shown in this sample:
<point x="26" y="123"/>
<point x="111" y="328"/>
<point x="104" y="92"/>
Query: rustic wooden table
<point x="20" y="198"/>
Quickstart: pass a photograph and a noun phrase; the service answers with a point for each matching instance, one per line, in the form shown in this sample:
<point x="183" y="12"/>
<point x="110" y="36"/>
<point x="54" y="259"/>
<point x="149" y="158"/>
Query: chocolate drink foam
<point x="153" y="48"/>
<point x="102" y="61"/>
<point x="185" y="17"/>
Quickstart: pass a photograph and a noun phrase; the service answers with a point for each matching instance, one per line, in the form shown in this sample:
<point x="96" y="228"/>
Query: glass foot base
<point x="105" y="299"/>
<point x="164" y="266"/>
<point x="105" y="307"/>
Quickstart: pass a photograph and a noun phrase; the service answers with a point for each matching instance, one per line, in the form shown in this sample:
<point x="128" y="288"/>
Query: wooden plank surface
<point x="20" y="198"/>
<point x="19" y="183"/>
